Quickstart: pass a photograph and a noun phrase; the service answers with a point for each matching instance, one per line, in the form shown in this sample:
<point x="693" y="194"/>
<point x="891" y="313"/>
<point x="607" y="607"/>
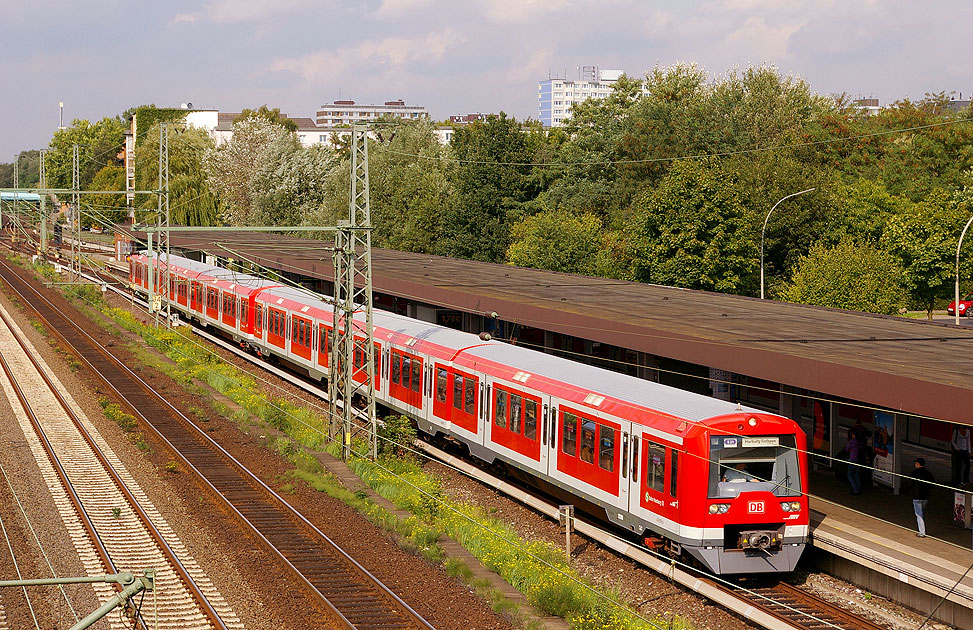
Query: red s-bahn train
<point x="725" y="484"/>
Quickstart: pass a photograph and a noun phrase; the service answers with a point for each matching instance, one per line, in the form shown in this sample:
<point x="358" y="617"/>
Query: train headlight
<point x="719" y="508"/>
<point x="791" y="506"/>
<point x="752" y="422"/>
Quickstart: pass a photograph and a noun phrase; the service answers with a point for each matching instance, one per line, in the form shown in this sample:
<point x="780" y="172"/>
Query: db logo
<point x="755" y="507"/>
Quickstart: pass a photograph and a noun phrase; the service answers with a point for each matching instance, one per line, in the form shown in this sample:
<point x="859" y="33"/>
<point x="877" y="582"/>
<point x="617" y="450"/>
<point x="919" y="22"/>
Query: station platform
<point x="870" y="540"/>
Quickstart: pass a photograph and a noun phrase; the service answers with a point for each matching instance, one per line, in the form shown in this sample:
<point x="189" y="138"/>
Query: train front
<point x="755" y="513"/>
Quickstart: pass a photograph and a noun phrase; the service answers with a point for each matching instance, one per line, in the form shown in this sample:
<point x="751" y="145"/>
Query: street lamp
<point x="764" y="231"/>
<point x="956" y="292"/>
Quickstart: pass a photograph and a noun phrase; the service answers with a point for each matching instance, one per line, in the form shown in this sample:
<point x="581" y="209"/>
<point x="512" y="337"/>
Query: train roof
<point x="636" y="391"/>
<point x="906" y="365"/>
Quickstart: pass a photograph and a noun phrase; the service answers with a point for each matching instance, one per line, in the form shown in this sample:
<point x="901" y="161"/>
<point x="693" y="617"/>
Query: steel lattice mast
<point x="353" y="293"/>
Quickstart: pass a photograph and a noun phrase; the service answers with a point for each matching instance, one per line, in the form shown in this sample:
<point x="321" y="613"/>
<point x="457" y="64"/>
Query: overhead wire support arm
<point x="131" y="586"/>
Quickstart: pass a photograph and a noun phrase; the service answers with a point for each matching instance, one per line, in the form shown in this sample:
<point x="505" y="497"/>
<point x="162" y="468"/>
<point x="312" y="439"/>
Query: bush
<point x="395" y="437"/>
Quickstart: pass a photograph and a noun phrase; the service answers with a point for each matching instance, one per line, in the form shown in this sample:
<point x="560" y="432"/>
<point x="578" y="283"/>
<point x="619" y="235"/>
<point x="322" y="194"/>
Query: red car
<point x="965" y="306"/>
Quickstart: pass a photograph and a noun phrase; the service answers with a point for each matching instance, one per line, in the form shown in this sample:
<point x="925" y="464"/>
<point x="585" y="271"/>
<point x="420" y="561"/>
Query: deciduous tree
<point x="692" y="231"/>
<point x="191" y="200"/>
<point x="257" y="145"/>
<point x="849" y="276"/>
<point x="556" y="240"/>
<point x="923" y="239"/>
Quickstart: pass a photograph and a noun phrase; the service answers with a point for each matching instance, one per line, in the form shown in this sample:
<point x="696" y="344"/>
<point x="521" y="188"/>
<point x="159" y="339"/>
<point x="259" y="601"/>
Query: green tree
<point x="923" y="239"/>
<point x="556" y="240"/>
<point x="28" y="171"/>
<point x="493" y="181"/>
<point x="149" y="117"/>
<point x="848" y="276"/>
<point x="693" y="231"/>
<point x="257" y="146"/>
<point x="191" y="200"/>
<point x="270" y="115"/>
<point x="105" y="210"/>
<point x="410" y="186"/>
<point x="285" y="190"/>
<point x="98" y="146"/>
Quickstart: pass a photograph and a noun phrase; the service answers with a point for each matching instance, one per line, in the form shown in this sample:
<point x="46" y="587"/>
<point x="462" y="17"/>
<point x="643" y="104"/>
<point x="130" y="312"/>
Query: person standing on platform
<point x="961" y="456"/>
<point x="853" y="470"/>
<point x="920" y="498"/>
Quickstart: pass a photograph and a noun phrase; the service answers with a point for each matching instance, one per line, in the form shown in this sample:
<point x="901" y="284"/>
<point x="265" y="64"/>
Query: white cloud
<point x="389" y="53"/>
<point x="185" y="18"/>
<point x="391" y="9"/>
<point x="226" y="11"/>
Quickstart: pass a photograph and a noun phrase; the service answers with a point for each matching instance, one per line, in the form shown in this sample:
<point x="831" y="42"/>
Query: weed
<point x="287" y="488"/>
<point x="139" y="441"/>
<point x="275" y="415"/>
<point x="116" y="512"/>
<point x="172" y="466"/>
<point x="457" y="568"/>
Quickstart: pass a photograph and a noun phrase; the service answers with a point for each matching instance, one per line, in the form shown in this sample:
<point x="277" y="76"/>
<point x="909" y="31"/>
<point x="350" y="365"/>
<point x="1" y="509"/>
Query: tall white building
<point x="348" y="112"/>
<point x="556" y="96"/>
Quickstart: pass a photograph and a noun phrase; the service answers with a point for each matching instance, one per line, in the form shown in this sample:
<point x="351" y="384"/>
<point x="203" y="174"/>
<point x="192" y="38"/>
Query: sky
<point x="101" y="57"/>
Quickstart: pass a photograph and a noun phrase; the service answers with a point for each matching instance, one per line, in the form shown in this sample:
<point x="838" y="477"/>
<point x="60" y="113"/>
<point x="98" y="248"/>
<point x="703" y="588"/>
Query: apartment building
<point x="556" y="96"/>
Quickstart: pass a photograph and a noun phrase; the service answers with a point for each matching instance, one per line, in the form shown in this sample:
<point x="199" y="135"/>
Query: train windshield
<point x="748" y="463"/>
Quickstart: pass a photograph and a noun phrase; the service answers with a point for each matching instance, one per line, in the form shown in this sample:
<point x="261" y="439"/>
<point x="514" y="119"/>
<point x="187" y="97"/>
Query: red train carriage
<point x="718" y="482"/>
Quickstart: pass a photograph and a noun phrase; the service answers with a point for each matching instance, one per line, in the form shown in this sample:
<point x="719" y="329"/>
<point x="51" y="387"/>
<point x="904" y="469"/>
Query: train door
<point x="548" y="430"/>
<point x="654" y="484"/>
<point x="258" y="320"/>
<point x="196" y="296"/>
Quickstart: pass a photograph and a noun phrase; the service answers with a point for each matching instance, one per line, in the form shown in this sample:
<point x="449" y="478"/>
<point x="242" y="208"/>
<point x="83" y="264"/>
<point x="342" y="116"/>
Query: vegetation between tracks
<point x="536" y="568"/>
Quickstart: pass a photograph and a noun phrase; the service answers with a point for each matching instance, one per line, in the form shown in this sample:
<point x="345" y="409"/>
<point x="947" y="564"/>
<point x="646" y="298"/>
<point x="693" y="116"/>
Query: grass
<point x="536" y="568"/>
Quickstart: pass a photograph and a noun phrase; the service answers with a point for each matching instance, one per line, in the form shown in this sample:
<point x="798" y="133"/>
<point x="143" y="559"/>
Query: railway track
<point x="804" y="610"/>
<point x="786" y="605"/>
<point x="353" y="595"/>
<point x="114" y="526"/>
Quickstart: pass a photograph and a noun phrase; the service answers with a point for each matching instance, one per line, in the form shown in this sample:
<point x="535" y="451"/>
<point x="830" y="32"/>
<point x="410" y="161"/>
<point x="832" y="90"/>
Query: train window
<point x="623" y="467"/>
<point x="243" y="311"/>
<point x="516" y="405"/>
<point x="395" y="368"/>
<point x="588" y="441"/>
<point x="606" y="448"/>
<point x="323" y="340"/>
<point x="470" y="401"/>
<point x="569" y="443"/>
<point x="416" y="374"/>
<point x="406" y="371"/>
<point x="635" y="458"/>
<point x="458" y="391"/>
<point x="500" y="412"/>
<point x="441" y="385"/>
<point x="655" y="473"/>
<point x="673" y="469"/>
<point x="295" y="331"/>
<point x="530" y="419"/>
<point x="767" y="463"/>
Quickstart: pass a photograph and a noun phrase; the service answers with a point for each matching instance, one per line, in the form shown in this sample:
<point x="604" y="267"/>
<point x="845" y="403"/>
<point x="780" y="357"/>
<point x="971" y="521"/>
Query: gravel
<point x="253" y="582"/>
<point x="263" y="595"/>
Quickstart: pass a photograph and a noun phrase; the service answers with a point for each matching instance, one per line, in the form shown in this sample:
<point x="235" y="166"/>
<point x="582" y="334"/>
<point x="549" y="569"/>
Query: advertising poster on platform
<point x="884" y="425"/>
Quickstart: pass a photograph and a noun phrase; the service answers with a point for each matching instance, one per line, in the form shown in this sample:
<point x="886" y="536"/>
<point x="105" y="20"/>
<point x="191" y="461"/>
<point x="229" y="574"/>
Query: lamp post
<point x="956" y="288"/>
<point x="763" y="232"/>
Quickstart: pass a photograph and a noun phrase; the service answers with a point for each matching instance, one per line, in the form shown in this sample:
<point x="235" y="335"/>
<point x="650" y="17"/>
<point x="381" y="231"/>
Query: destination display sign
<point x="761" y="441"/>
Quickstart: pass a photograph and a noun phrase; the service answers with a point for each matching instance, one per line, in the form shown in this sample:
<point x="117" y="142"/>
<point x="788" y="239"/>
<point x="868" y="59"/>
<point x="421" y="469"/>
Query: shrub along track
<point x="355" y="598"/>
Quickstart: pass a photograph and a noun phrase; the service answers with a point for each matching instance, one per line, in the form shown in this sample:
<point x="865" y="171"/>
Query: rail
<point x="355" y="597"/>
